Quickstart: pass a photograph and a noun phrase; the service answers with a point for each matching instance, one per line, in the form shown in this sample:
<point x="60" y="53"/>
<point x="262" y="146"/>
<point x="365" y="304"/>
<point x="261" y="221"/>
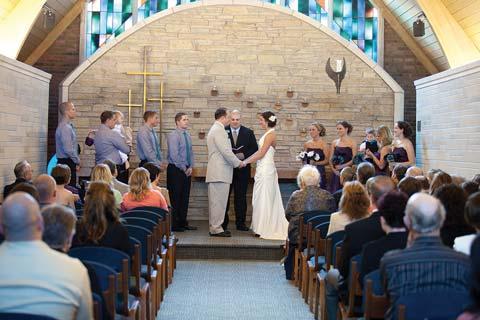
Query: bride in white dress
<point x="268" y="217"/>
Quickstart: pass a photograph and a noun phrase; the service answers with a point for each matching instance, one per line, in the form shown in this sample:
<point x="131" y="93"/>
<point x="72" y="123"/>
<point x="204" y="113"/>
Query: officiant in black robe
<point x="244" y="144"/>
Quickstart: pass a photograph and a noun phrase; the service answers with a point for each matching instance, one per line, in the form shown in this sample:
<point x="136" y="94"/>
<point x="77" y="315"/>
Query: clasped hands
<point x="242" y="164"/>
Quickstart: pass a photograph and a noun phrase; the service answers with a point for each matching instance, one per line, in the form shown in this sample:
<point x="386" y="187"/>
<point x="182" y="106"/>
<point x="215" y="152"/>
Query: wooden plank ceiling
<point x="38" y="32"/>
<point x="467" y="14"/>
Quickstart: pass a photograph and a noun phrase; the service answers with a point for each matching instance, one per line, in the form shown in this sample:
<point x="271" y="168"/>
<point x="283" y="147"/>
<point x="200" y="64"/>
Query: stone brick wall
<point x="405" y="68"/>
<point x="448" y="106"/>
<point x="59" y="60"/>
<point x="257" y="50"/>
<point x="23" y="118"/>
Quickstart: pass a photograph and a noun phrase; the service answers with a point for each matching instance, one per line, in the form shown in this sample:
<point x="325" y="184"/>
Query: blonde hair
<point x="385" y="135"/>
<point x="101" y="172"/>
<point x="139" y="183"/>
<point x="321" y="129"/>
<point x="309" y="176"/>
<point x="354" y="201"/>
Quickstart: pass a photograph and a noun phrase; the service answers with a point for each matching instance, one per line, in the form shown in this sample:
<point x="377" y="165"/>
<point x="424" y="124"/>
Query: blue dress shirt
<point x="179" y="143"/>
<point x="147" y="145"/>
<point x="108" y="143"/>
<point x="66" y="142"/>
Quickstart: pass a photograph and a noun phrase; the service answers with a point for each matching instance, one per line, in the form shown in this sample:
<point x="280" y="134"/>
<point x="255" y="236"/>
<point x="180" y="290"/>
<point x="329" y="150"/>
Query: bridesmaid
<point x="341" y="153"/>
<point x="384" y="137"/>
<point x="403" y="150"/>
<point x="319" y="146"/>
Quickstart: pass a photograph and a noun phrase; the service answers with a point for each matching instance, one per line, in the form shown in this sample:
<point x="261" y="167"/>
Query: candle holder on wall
<point x="196" y="114"/>
<point x="238" y="93"/>
<point x="201" y="134"/>
<point x="290" y="92"/>
<point x="305" y="102"/>
<point x="303" y="132"/>
<point x="214" y="91"/>
<point x="289" y="119"/>
<point x="250" y="102"/>
<point x="278" y="104"/>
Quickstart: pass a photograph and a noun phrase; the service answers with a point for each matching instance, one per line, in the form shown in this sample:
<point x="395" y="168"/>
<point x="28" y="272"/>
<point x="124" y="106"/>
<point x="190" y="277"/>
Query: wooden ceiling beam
<point x="56" y="32"/>
<point x="406" y="37"/>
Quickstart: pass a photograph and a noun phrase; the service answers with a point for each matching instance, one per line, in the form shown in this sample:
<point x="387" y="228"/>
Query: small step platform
<point x="243" y="245"/>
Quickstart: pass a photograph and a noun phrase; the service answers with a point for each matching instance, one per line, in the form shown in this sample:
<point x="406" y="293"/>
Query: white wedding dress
<point x="268" y="216"/>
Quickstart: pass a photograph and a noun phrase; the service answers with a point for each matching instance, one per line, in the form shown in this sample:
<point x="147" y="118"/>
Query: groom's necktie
<point x="157" y="147"/>
<point x="235" y="136"/>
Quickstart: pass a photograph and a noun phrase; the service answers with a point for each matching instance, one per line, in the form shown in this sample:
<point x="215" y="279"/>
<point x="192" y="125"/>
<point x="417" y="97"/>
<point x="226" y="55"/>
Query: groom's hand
<point x="242" y="164"/>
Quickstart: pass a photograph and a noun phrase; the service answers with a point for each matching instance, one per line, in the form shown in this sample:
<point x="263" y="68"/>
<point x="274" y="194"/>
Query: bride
<point x="268" y="217"/>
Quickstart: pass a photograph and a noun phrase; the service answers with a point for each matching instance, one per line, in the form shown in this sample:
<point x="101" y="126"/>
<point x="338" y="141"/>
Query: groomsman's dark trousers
<point x="73" y="170"/>
<point x="239" y="186"/>
<point x="178" y="185"/>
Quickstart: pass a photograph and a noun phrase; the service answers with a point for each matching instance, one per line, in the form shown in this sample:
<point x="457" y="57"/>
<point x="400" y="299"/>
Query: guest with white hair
<point x="414" y="171"/>
<point x="403" y="271"/>
<point x="310" y="197"/>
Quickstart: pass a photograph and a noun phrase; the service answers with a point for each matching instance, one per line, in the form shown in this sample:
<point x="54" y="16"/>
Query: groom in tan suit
<point x="221" y="162"/>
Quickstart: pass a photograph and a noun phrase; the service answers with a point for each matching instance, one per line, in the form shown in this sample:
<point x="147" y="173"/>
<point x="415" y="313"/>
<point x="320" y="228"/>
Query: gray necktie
<point x="235" y="137"/>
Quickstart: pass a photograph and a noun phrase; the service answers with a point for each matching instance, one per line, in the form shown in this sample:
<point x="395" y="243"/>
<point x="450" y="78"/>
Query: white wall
<point x="23" y="117"/>
<point x="448" y="106"/>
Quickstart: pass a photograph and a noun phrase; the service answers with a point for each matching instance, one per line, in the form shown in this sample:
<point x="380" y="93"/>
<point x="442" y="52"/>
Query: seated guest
<point x="310" y="197"/>
<point x="154" y="171"/>
<point x="476" y="178"/>
<point x="431" y="173"/>
<point x="117" y="185"/>
<point x="354" y="205"/>
<point x="409" y="186"/>
<point x="414" y="172"/>
<point x="439" y="179"/>
<point x="141" y="193"/>
<point x="23" y="173"/>
<point x="101" y="172"/>
<point x="59" y="228"/>
<point x="473" y="311"/>
<point x="472" y="216"/>
<point x="457" y="179"/>
<point x="398" y="173"/>
<point x="365" y="171"/>
<point x="35" y="279"/>
<point x="453" y="199"/>
<point x="346" y="175"/>
<point x="61" y="174"/>
<point x="27" y="188"/>
<point x="46" y="188"/>
<point x="392" y="210"/>
<point x="426" y="264"/>
<point x="100" y="225"/>
<point x="470" y="187"/>
<point x="424" y="183"/>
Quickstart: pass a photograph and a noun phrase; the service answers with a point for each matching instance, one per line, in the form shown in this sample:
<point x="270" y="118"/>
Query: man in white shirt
<point x="35" y="279"/>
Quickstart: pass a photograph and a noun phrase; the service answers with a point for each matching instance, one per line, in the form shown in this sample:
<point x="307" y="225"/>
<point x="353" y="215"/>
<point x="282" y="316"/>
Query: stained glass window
<point x="357" y="21"/>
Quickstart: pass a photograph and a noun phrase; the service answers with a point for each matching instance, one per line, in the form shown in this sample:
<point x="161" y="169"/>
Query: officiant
<point x="244" y="144"/>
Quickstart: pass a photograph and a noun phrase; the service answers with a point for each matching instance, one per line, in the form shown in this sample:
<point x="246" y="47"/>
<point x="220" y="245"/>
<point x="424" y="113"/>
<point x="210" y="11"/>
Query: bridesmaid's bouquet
<point x="337" y="160"/>
<point x="305" y="156"/>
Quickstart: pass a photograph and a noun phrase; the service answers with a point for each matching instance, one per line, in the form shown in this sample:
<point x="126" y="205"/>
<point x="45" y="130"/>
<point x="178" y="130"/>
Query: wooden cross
<point x="144" y="73"/>
<point x="129" y="105"/>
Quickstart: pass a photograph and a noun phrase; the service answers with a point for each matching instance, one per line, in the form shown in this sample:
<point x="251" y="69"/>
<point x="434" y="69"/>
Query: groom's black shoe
<point x="243" y="228"/>
<point x="190" y="227"/>
<point x="221" y="234"/>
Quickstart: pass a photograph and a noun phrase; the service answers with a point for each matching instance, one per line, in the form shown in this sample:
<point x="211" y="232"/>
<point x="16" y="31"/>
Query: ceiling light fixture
<point x="419" y="26"/>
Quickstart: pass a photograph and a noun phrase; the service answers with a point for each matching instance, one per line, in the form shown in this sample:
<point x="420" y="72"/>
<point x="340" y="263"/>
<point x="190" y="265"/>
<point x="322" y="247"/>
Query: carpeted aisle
<point x="228" y="289"/>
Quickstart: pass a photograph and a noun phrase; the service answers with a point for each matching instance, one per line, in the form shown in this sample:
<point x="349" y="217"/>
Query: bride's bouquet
<point x="305" y="156"/>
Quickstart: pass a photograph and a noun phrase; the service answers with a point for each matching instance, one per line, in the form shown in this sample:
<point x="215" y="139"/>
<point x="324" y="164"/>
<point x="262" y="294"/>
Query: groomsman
<point x="66" y="140"/>
<point x="109" y="143"/>
<point x="148" y="148"/>
<point x="179" y="171"/>
<point x="244" y="145"/>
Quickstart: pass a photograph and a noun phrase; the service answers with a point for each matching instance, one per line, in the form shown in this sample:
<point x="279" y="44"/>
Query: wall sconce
<point x="289" y="119"/>
<point x="290" y="92"/>
<point x="419" y="26"/>
<point x="48" y="18"/>
<point x="305" y="102"/>
<point x="196" y="114"/>
<point x="214" y="91"/>
<point x="250" y="102"/>
<point x="338" y="74"/>
<point x="201" y="134"/>
<point x="303" y="132"/>
<point x="278" y="104"/>
<point x="238" y="93"/>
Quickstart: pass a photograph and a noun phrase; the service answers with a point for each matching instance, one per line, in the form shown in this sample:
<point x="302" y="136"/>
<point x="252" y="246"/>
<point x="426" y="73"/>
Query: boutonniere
<point x="228" y="131"/>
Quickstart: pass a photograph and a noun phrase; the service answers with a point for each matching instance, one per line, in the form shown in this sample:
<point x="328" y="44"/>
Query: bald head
<point x="425" y="213"/>
<point x="378" y="186"/>
<point x="45" y="185"/>
<point x="235" y="119"/>
<point x="20" y="218"/>
<point x="414" y="172"/>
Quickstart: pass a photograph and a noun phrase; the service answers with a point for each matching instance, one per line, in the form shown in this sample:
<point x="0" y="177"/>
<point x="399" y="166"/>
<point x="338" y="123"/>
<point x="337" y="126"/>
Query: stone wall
<point x="259" y="50"/>
<point x="448" y="106"/>
<point x="23" y="118"/>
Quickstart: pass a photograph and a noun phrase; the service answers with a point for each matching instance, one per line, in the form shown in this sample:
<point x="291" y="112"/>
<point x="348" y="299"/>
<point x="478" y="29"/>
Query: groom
<point x="221" y="162"/>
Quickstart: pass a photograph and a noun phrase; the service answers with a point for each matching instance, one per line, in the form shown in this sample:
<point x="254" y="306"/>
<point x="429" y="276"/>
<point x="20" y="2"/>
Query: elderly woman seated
<point x="309" y="198"/>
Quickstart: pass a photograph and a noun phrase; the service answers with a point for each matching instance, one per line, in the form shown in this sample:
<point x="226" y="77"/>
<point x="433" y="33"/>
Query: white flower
<point x="310" y="154"/>
<point x="272" y="118"/>
<point x="317" y="157"/>
<point x="300" y="156"/>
